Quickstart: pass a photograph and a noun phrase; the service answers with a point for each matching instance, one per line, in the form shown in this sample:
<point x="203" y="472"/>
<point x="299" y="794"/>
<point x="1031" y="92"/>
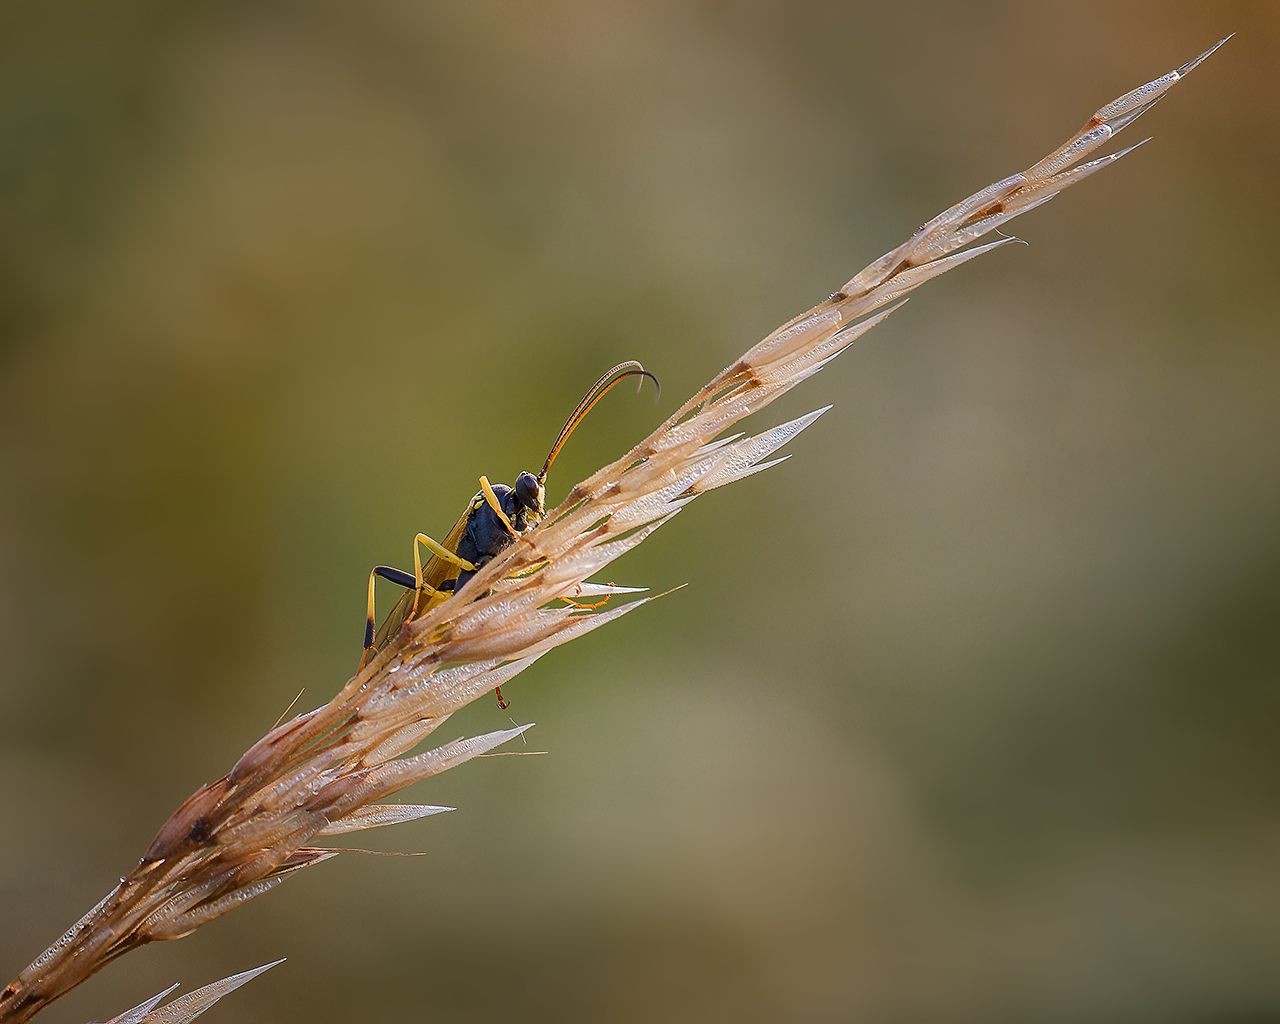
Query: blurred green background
<point x="970" y="710"/>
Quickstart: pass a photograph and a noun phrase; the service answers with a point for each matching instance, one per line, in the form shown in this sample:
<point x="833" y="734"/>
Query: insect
<point x="497" y="515"/>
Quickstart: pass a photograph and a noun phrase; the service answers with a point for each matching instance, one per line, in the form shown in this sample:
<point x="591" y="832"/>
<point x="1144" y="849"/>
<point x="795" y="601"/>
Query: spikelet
<point x="189" y="1007"/>
<point x="324" y="772"/>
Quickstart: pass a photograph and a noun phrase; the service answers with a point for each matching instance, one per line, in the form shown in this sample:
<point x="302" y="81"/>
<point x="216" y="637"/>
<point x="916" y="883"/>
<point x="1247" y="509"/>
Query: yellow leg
<point x="440" y="551"/>
<point x="496" y="505"/>
<point x="579" y="604"/>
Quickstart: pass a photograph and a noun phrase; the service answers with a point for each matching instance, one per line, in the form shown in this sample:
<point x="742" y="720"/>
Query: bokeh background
<point x="970" y="710"/>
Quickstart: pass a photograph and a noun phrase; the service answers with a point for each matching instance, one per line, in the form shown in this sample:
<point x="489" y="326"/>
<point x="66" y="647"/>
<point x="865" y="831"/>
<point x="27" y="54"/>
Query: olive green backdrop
<point x="969" y="713"/>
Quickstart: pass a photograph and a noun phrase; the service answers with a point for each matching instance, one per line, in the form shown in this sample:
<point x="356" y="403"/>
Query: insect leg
<point x="580" y="604"/>
<point x="440" y="551"/>
<point x="397" y="576"/>
<point x="496" y="505"/>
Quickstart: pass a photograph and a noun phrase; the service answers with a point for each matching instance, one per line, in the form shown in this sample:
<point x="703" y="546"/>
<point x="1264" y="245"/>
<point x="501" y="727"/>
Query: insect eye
<point x="529" y="491"/>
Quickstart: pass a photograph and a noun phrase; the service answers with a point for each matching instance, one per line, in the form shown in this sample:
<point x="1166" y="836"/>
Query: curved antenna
<point x="598" y="390"/>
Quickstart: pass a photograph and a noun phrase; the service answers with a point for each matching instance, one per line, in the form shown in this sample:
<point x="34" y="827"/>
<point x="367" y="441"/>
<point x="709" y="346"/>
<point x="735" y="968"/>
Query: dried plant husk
<point x="326" y="770"/>
<point x="189" y="1007"/>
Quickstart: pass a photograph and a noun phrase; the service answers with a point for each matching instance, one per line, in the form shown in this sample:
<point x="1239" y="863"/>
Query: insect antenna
<point x="598" y="390"/>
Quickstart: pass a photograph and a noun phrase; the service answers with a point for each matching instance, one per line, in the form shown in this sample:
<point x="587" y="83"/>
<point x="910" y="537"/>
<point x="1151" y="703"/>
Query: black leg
<point x="401" y="579"/>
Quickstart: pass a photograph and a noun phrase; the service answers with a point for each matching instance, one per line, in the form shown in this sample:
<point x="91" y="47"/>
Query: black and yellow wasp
<point x="496" y="516"/>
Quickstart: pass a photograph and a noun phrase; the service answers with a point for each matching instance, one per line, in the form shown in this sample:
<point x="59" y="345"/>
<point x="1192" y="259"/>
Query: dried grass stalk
<point x="324" y="771"/>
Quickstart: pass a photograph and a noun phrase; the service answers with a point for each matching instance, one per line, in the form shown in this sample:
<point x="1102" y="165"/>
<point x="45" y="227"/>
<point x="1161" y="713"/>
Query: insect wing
<point x="394" y="620"/>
